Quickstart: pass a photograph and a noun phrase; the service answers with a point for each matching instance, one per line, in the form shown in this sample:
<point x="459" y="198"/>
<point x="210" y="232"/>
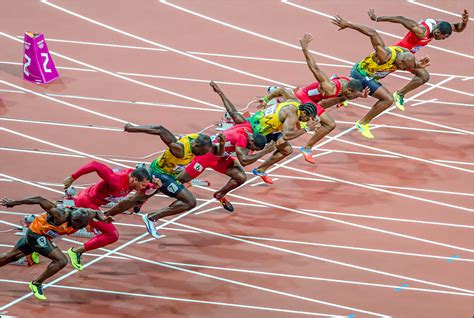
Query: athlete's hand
<point x="108" y="219"/>
<point x="340" y="22"/>
<point x="8" y="203"/>
<point x="270" y="147"/>
<point x="372" y="15"/>
<point x="424" y="62"/>
<point x="365" y="92"/>
<point x="156" y="182"/>
<point x="465" y="16"/>
<point x="304" y="42"/>
<point x="215" y="87"/>
<point x="68" y="182"/>
<point x="261" y="103"/>
<point x="312" y="124"/>
<point x="127" y="127"/>
<point x="221" y="138"/>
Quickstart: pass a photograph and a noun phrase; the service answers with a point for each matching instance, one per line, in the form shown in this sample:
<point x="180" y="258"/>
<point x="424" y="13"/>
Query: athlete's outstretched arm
<point x="44" y="203"/>
<point x="459" y="27"/>
<point x="237" y="117"/>
<point x="104" y="172"/>
<point x="326" y="86"/>
<point x="411" y="25"/>
<point x="246" y="159"/>
<point x="280" y="91"/>
<point x="377" y="42"/>
<point x="176" y="148"/>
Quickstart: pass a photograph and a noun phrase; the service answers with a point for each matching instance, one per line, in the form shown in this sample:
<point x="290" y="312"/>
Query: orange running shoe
<point x="262" y="175"/>
<point x="308" y="155"/>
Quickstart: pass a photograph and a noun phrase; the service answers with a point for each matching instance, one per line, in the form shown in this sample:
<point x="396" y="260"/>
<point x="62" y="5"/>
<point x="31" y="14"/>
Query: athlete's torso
<point x="312" y="90"/>
<point x="168" y="163"/>
<point x="43" y="224"/>
<point x="369" y="67"/>
<point x="268" y="121"/>
<point x="412" y="42"/>
<point x="118" y="187"/>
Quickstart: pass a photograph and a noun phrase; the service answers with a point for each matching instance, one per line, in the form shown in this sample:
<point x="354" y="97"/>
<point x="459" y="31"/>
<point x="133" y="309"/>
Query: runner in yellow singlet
<point x="167" y="168"/>
<point x="280" y="123"/>
<point x="377" y="65"/>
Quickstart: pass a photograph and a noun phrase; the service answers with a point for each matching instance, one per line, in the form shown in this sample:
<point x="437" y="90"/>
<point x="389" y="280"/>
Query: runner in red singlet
<point x="420" y="35"/>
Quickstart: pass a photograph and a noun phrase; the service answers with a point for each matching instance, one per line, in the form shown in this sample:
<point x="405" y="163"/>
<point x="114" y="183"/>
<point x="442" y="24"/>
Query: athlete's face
<point x="350" y="94"/>
<point x="199" y="150"/>
<point x="439" y="36"/>
<point x="251" y="144"/>
<point x="304" y="117"/>
<point x="79" y="219"/>
<point x="138" y="185"/>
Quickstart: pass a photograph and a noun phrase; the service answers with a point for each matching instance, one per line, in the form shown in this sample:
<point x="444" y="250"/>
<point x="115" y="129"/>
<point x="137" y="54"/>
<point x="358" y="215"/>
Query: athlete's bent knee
<point x="240" y="178"/>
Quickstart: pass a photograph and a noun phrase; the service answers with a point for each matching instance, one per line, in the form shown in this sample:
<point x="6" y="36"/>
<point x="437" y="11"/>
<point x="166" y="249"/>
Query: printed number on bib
<point x="270" y="110"/>
<point x="42" y="241"/>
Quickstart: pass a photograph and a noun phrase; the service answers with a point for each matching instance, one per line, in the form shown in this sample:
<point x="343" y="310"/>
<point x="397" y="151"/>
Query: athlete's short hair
<point x="80" y="216"/>
<point x="309" y="108"/>
<point x="203" y="140"/>
<point x="141" y="174"/>
<point x="445" y="28"/>
<point x="259" y="140"/>
<point x="355" y="85"/>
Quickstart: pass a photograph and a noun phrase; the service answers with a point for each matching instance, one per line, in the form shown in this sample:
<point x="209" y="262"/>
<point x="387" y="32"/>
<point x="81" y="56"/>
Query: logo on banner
<point x="41" y="44"/>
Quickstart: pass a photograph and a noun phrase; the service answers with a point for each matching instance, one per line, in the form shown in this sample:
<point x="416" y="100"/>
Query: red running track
<point x="376" y="228"/>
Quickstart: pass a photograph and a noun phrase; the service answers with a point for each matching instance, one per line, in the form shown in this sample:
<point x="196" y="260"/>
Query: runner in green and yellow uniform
<point x="376" y="66"/>
<point x="281" y="123"/>
<point x="167" y="167"/>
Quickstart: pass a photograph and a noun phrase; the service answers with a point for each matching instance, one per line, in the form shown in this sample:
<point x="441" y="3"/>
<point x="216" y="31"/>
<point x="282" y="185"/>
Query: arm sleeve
<point x="102" y="170"/>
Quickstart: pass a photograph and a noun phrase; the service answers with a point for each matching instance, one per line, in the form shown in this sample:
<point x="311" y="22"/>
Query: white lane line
<point x="436" y="9"/>
<point x="58" y="67"/>
<point x="139" y="38"/>
<point x="166" y="2"/>
<point x="455" y="162"/>
<point x="209" y="210"/>
<point x="156" y="88"/>
<point x="321" y="258"/>
<point x="423" y="102"/>
<point x="379" y="31"/>
<point x="51" y="123"/>
<point x="389" y="218"/>
<point x="259" y="238"/>
<point x="185" y="300"/>
<point x="276" y="177"/>
<point x="290" y="251"/>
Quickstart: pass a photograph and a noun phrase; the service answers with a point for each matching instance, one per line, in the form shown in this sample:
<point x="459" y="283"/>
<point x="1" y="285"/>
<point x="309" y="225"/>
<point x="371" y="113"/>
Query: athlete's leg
<point x="59" y="261"/>
<point x="237" y="177"/>
<point x="11" y="256"/>
<point x="385" y="99"/>
<point x="283" y="150"/>
<point x="185" y="201"/>
<point x="421" y="77"/>
<point x="237" y="117"/>
<point x="327" y="125"/>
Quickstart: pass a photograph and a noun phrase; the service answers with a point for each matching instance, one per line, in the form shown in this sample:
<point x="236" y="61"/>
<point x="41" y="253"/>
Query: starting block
<point x="38" y="66"/>
<point x="24" y="261"/>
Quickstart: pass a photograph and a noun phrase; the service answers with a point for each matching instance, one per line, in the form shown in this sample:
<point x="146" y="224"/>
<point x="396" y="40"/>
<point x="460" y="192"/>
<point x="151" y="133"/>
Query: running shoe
<point x="37" y="290"/>
<point x="308" y="155"/>
<point x="399" y="102"/>
<point x="364" y="130"/>
<point x="343" y="104"/>
<point x="226" y="204"/>
<point x="35" y="257"/>
<point x="150" y="226"/>
<point x="262" y="175"/>
<point x="75" y="259"/>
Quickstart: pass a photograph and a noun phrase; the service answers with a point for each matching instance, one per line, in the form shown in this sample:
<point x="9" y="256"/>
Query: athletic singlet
<point x="412" y="42"/>
<point x="169" y="164"/>
<point x="42" y="226"/>
<point x="368" y="66"/>
<point x="267" y="121"/>
<point x="312" y="90"/>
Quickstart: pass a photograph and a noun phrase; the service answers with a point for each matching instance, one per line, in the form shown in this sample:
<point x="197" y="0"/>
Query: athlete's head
<point x="307" y="112"/>
<point x="442" y="30"/>
<point x="256" y="141"/>
<point x="201" y="145"/>
<point x="138" y="179"/>
<point x="78" y="218"/>
<point x="405" y="61"/>
<point x="352" y="89"/>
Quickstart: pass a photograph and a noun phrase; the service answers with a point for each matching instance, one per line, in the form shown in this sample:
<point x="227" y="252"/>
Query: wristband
<point x="265" y="98"/>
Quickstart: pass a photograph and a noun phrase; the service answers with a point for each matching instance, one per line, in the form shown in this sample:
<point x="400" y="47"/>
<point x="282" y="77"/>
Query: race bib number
<point x="52" y="234"/>
<point x="42" y="241"/>
<point x="270" y="110"/>
<point x="178" y="168"/>
<point x="416" y="48"/>
<point x="313" y="92"/>
<point x="172" y="188"/>
<point x="381" y="74"/>
<point x="198" y="167"/>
